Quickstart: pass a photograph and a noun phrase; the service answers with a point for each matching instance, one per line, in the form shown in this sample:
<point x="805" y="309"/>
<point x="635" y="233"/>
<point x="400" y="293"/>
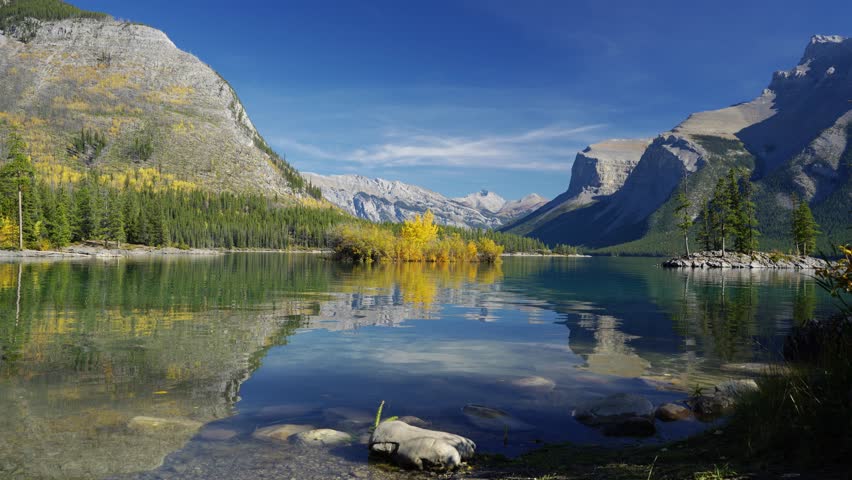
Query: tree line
<point x="102" y="209"/>
<point x="728" y="220"/>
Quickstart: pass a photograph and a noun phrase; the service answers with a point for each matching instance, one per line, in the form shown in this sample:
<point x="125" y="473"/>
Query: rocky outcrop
<point x="715" y="259"/>
<point x="599" y="170"/>
<point x="413" y="447"/>
<point x="130" y="83"/>
<point x="382" y="200"/>
<point x="483" y="200"/>
<point x="518" y="208"/>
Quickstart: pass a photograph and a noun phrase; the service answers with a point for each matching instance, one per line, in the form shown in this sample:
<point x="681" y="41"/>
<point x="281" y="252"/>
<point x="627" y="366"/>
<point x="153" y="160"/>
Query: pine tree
<point x="18" y="175"/>
<point x="746" y="224"/>
<point x="684" y="217"/>
<point x="114" y="219"/>
<point x="722" y="206"/>
<point x="706" y="235"/>
<point x="805" y="229"/>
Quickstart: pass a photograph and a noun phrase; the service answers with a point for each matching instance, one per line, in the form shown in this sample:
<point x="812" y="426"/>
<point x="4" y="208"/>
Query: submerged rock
<point x="534" y="384"/>
<point x="488" y="418"/>
<point x="145" y="424"/>
<point x="622" y="414"/>
<point x="413" y="447"/>
<point x="218" y="434"/>
<point x="322" y="437"/>
<point x="280" y="432"/>
<point x="671" y="412"/>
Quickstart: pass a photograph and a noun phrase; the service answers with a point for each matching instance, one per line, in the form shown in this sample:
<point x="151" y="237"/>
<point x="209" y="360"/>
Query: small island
<point x="728" y="219"/>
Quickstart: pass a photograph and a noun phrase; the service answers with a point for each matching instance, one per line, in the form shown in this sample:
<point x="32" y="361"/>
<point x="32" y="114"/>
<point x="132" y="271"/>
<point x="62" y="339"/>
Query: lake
<point x="220" y="346"/>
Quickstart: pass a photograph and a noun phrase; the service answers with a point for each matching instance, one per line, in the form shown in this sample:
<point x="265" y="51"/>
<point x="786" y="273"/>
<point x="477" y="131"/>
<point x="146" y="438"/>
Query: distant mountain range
<point x="382" y="200"/>
<point x="795" y="138"/>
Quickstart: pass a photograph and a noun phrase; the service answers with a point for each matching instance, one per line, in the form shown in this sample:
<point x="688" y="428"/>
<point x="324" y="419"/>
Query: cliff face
<point x="795" y="138"/>
<point x="599" y="170"/>
<point x="382" y="200"/>
<point x="156" y="107"/>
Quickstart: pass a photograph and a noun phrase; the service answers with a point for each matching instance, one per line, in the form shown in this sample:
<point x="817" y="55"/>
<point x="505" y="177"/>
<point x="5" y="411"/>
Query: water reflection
<point x="245" y="340"/>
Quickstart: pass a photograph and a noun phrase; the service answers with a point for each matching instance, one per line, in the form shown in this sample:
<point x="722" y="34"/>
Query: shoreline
<point x="756" y="260"/>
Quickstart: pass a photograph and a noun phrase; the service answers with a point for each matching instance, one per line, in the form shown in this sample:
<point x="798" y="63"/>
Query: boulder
<point x="322" y="437"/>
<point x="280" y="432"/>
<point x="622" y="414"/>
<point x="489" y="418"/>
<point x="737" y="388"/>
<point x="414" y="447"/>
<point x="671" y="412"/>
<point x="710" y="406"/>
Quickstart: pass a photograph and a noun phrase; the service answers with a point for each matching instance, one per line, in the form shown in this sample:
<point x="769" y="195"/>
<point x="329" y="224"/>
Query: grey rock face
<point x="602" y="168"/>
<point x="414" y="447"/>
<point x="131" y="82"/>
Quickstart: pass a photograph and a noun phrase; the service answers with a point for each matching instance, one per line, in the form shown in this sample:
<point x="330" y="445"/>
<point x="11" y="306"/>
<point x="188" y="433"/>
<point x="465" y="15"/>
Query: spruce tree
<point x="805" y="229"/>
<point x="684" y="217"/>
<point x="746" y="224"/>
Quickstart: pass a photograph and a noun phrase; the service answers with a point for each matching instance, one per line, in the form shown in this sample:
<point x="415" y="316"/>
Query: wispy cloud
<point x="547" y="148"/>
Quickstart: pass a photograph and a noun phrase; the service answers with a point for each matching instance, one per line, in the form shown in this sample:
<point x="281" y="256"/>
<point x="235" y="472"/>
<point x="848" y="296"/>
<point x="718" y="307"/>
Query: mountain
<point x="599" y="170"/>
<point x="382" y="200"/>
<point x="483" y="200"/>
<point x="795" y="138"/>
<point x="87" y="91"/>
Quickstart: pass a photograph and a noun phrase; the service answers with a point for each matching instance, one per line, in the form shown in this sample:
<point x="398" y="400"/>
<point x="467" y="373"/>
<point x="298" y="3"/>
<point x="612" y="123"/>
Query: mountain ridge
<point x="381" y="200"/>
<point x="794" y="138"/>
<point x="155" y="106"/>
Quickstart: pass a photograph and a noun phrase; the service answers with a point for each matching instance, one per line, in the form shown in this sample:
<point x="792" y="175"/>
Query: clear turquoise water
<point x="244" y="341"/>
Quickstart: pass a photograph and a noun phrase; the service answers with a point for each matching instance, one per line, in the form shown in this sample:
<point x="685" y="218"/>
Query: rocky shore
<point x="89" y="250"/>
<point x="715" y="259"/>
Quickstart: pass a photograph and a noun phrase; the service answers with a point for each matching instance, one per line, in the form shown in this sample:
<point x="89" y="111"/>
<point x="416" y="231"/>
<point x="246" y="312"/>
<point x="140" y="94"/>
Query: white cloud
<point x="549" y="148"/>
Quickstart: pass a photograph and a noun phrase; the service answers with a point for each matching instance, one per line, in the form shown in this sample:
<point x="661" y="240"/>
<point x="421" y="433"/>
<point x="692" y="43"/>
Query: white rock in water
<point x="280" y="432"/>
<point x="536" y="383"/>
<point x="154" y="424"/>
<point x="414" y="447"/>
<point x="736" y="388"/>
<point x="323" y="437"/>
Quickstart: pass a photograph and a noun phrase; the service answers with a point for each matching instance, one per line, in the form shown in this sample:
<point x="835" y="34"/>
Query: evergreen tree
<point x="18" y="175"/>
<point x="706" y="236"/>
<point x="684" y="217"/>
<point x="723" y="211"/>
<point x="114" y="219"/>
<point x="805" y="229"/>
<point x="747" y="233"/>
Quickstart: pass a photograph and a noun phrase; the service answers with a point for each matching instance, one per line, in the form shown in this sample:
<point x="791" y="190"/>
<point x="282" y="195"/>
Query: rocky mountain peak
<point x="483" y="200"/>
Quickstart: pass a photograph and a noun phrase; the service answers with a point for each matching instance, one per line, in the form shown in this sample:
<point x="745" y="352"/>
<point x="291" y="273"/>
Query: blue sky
<point x="464" y="95"/>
